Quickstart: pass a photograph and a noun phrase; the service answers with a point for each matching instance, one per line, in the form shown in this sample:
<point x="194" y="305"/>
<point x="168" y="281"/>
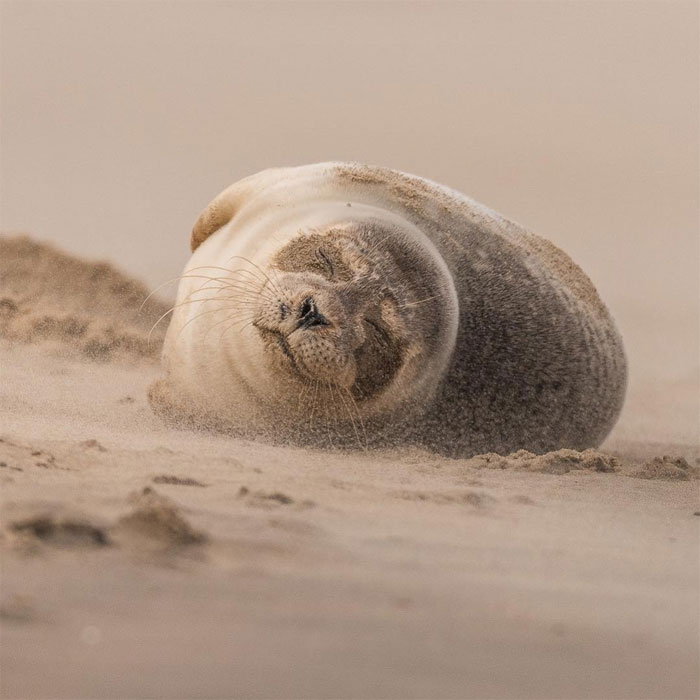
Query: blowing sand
<point x="139" y="561"/>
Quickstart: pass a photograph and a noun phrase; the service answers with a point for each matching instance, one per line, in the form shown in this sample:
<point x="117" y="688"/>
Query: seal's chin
<point x="276" y="341"/>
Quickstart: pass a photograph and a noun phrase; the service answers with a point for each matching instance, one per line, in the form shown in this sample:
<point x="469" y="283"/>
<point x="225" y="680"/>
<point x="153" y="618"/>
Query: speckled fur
<point x="537" y="362"/>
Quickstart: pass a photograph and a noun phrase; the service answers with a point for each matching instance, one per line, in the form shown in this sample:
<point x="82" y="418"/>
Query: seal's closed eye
<point x="322" y="254"/>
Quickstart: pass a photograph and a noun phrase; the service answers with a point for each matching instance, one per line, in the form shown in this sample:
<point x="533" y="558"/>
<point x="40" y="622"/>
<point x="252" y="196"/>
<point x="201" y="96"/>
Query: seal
<point x="342" y="305"/>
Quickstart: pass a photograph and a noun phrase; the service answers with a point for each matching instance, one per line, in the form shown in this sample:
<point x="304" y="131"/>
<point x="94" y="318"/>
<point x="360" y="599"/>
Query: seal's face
<point x="328" y="315"/>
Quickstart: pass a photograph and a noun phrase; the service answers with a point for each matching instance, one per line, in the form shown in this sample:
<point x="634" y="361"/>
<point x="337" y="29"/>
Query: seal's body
<point x="340" y="304"/>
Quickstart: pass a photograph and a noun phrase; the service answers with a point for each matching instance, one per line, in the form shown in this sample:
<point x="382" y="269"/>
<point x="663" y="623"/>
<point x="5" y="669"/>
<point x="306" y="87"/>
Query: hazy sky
<point x="121" y="120"/>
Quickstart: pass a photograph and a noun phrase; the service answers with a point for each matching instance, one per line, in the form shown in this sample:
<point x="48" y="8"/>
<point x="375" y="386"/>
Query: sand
<point x="140" y="561"/>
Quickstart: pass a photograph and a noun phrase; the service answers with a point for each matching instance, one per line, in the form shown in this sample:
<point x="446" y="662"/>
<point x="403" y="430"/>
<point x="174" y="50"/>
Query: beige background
<point x="120" y="120"/>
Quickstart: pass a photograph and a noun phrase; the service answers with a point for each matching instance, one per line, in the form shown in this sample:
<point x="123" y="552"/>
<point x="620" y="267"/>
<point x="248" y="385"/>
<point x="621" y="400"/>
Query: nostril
<point x="307" y="308"/>
<point x="310" y="316"/>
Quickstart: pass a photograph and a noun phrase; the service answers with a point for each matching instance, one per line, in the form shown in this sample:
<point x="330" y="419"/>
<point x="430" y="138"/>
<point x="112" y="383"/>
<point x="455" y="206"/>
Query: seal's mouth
<point x="276" y="338"/>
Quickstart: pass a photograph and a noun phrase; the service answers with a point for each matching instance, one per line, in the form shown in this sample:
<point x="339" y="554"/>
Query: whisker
<point x="189" y="275"/>
<point x="352" y="420"/>
<point x="227" y="282"/>
<point x="378" y="243"/>
<point x="178" y="305"/>
<point x="280" y="284"/>
<point x="153" y="327"/>
<point x="259" y="269"/>
<point x="244" y="295"/>
<point x="211" y="311"/>
<point x="257" y="286"/>
<point x="313" y="406"/>
<point x="233" y="293"/>
<point x="170" y="281"/>
<point x="195" y="317"/>
<point x="238" y="270"/>
<point x="307" y="386"/>
<point x="335" y="420"/>
<point x="247" y="320"/>
<point x="206" y="300"/>
<point x="417" y="303"/>
<point x="359" y="415"/>
<point x="245" y="325"/>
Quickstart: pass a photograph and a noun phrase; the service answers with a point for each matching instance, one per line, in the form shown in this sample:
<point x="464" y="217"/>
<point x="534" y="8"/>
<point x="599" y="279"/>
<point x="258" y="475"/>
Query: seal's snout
<point x="310" y="316"/>
<point x="305" y="330"/>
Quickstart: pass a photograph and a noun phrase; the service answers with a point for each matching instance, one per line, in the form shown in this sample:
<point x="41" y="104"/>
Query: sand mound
<point x="157" y="521"/>
<point x="669" y="469"/>
<point x="47" y="296"/>
<point x="564" y="461"/>
<point x="557" y="462"/>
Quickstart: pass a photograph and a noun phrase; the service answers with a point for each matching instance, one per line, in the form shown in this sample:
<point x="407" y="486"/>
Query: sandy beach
<point x="139" y="561"/>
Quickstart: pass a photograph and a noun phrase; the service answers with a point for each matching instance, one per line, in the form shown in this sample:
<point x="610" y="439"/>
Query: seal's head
<point x="353" y="320"/>
<point x="329" y="314"/>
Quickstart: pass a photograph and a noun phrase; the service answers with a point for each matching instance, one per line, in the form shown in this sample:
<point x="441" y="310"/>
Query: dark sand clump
<point x="154" y="523"/>
<point x="55" y="526"/>
<point x="49" y="296"/>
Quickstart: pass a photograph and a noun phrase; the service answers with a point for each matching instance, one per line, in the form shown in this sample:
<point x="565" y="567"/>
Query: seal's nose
<point x="310" y="316"/>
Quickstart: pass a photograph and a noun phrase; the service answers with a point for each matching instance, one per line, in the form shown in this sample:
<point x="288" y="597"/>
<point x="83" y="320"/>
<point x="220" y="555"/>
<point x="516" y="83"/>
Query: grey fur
<point x="538" y="362"/>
